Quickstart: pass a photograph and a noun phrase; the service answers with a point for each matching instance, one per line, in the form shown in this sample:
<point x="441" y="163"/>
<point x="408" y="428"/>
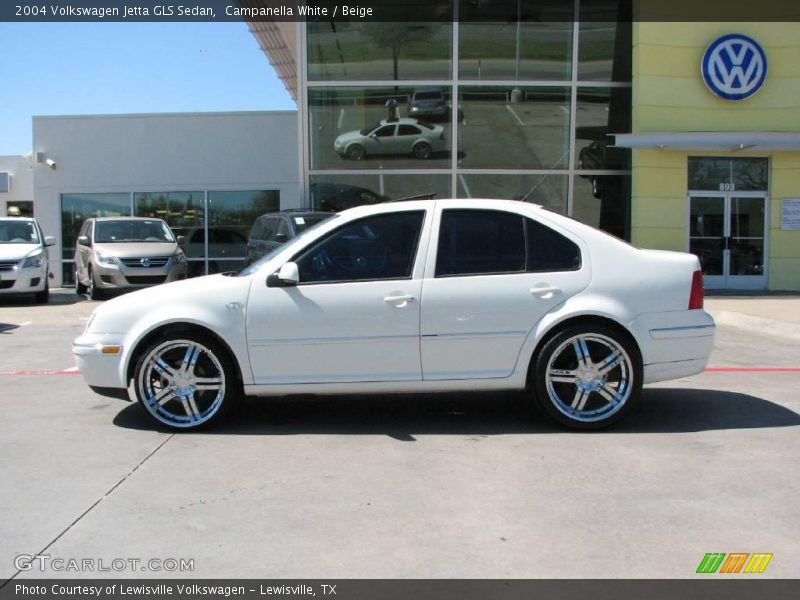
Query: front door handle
<point x="399" y="301"/>
<point x="545" y="291"/>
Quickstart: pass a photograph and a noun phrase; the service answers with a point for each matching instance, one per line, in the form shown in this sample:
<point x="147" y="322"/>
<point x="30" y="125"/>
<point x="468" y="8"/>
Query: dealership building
<point x="673" y="135"/>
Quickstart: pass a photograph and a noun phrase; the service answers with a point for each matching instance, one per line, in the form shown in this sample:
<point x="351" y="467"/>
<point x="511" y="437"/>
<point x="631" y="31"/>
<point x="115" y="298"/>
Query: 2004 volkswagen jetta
<point x="433" y="295"/>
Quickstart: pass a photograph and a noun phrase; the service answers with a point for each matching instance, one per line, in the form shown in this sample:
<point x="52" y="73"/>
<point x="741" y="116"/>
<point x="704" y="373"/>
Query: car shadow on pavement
<point x="663" y="410"/>
<point x="58" y="297"/>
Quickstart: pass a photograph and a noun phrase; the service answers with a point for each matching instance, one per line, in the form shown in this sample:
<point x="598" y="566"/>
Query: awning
<point x="728" y="141"/>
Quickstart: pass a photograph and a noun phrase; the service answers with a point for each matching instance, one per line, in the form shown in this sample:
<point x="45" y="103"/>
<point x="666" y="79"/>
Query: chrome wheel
<point x="589" y="377"/>
<point x="422" y="150"/>
<point x="181" y="383"/>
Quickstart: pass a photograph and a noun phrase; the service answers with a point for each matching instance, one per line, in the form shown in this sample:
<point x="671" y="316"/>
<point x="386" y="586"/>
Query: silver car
<point x="115" y="253"/>
<point x="404" y="136"/>
<point x="24" y="264"/>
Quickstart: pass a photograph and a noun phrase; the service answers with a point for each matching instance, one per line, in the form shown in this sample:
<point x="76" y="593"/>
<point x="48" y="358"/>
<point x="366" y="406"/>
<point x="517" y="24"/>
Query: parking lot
<point x="448" y="486"/>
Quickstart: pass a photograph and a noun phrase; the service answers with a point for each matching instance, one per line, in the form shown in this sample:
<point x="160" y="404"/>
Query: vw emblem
<point x="734" y="66"/>
<point x="145" y="262"/>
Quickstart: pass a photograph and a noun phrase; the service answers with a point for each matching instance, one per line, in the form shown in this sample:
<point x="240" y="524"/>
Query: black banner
<point x="733" y="588"/>
<point x="398" y="10"/>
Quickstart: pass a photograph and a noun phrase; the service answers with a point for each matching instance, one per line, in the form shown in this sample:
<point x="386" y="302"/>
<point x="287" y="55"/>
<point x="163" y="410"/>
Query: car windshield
<point x="369" y="129"/>
<point x="303" y="222"/>
<point x="250" y="269"/>
<point x="18" y="232"/>
<point x="132" y="231"/>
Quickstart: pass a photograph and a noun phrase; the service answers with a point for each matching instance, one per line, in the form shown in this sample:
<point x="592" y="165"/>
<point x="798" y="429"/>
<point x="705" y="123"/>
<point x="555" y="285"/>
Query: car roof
<point x="17" y="219"/>
<point x="101" y="219"/>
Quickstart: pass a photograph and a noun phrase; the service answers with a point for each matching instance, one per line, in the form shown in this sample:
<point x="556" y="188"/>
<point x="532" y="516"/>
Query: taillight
<point x="696" y="295"/>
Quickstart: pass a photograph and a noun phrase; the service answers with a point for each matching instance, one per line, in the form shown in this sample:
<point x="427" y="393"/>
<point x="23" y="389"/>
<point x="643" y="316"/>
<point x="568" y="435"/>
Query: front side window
<point x="386" y="131"/>
<point x="374" y="248"/>
<point x="487" y="242"/>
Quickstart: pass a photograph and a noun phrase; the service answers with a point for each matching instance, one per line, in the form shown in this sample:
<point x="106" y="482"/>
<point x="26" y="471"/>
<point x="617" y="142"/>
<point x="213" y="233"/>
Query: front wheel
<point x="588" y="377"/>
<point x="185" y="383"/>
<point x="44" y="296"/>
<point x="356" y="152"/>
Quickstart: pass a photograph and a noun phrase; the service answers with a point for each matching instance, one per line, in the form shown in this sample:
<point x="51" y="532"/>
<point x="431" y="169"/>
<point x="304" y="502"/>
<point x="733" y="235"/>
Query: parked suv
<point x="115" y="253"/>
<point x="273" y="229"/>
<point x="24" y="264"/>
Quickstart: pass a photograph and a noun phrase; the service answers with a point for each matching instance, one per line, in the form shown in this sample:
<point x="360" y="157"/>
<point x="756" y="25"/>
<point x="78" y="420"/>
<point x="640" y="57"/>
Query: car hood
<point x="136" y="249"/>
<point x="349" y="136"/>
<point x="16" y="251"/>
<point x="174" y="300"/>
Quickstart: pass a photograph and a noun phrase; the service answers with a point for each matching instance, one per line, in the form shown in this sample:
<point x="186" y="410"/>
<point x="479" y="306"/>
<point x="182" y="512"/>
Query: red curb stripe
<point x="752" y="370"/>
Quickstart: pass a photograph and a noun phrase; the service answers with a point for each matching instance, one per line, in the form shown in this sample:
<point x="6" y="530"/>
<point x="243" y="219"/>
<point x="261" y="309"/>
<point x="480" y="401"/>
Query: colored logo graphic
<point x="736" y="562"/>
<point x="734" y="66"/>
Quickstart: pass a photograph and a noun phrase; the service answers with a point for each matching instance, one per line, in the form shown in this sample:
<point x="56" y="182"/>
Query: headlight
<point x="180" y="258"/>
<point x="105" y="259"/>
<point x="34" y="261"/>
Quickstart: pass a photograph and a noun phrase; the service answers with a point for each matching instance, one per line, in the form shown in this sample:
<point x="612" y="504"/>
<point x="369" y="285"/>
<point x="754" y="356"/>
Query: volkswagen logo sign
<point x="145" y="262"/>
<point x="734" y="66"/>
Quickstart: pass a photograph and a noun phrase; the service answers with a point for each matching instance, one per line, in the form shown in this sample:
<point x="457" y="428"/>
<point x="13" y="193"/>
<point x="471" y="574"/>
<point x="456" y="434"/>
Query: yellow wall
<point x="669" y="95"/>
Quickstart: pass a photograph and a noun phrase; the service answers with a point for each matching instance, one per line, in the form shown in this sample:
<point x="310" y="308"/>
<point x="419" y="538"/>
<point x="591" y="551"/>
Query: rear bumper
<point x="674" y="344"/>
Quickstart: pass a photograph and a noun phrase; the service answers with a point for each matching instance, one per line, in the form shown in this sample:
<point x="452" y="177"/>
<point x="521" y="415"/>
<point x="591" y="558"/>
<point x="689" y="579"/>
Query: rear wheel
<point x="423" y="150"/>
<point x="186" y="382"/>
<point x="588" y="376"/>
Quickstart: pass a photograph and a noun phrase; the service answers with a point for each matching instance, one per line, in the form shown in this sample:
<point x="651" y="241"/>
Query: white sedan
<point x="420" y="296"/>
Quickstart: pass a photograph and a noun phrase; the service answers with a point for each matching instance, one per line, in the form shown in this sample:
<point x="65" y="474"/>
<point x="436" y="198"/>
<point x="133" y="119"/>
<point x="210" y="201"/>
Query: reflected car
<point x="593" y="157"/>
<point x="273" y="229"/>
<point x="412" y="297"/>
<point x="335" y="197"/>
<point x="119" y="253"/>
<point x="227" y="248"/>
<point x="427" y="102"/>
<point x="404" y="136"/>
<point x="24" y="261"/>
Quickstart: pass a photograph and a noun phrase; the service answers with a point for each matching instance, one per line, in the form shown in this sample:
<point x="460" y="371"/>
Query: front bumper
<point x="113" y="277"/>
<point x="98" y="356"/>
<point x="23" y="281"/>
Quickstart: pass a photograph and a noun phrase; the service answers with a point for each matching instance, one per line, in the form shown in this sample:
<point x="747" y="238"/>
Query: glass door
<point x="727" y="232"/>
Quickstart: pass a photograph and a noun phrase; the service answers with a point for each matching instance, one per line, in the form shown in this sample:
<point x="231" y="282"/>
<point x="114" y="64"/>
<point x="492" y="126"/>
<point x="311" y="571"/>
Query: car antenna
<point x="429" y="196"/>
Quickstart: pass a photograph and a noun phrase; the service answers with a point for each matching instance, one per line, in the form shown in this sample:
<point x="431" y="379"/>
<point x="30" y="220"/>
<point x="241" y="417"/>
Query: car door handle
<point x="545" y="292"/>
<point x="399" y="301"/>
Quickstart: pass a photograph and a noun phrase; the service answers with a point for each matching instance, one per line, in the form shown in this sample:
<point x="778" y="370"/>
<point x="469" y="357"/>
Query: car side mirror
<point x="281" y="238"/>
<point x="83" y="240"/>
<point x="287" y="276"/>
<point x="49" y="240"/>
<point x="181" y="241"/>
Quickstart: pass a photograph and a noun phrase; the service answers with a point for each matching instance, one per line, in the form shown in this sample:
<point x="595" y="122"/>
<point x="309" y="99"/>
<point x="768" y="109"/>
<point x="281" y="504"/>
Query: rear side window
<point x="475" y="242"/>
<point x="408" y="130"/>
<point x="485" y="242"/>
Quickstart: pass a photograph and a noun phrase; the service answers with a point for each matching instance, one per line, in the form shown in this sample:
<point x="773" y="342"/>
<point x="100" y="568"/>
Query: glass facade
<point x="512" y="100"/>
<point x="222" y="217"/>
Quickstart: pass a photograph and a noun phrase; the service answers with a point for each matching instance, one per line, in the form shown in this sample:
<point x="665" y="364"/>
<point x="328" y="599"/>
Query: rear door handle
<point x="399" y="301"/>
<point x="545" y="292"/>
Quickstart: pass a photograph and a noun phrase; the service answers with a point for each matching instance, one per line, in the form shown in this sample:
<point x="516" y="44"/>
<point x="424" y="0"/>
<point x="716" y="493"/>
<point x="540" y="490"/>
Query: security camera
<point x="51" y="163"/>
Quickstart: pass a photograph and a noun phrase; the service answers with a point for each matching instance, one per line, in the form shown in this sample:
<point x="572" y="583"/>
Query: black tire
<point x="44" y="296"/>
<point x="423" y="150"/>
<point x="80" y="289"/>
<point x="356" y="152"/>
<point x="593" y="393"/>
<point x="174" y="402"/>
<point x="94" y="292"/>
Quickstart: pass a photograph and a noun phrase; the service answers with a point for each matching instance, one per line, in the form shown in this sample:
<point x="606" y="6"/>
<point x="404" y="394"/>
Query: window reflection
<point x="358" y="128"/>
<point x="601" y="111"/>
<point x="549" y="191"/>
<point x="76" y="208"/>
<point x="603" y="201"/>
<point x="728" y="174"/>
<point x="340" y="192"/>
<point x="340" y="50"/>
<point x="514" y="128"/>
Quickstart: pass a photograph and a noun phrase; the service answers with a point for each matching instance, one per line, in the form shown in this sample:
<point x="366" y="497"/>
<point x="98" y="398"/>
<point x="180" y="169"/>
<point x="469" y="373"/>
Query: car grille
<point x="145" y="279"/>
<point x="155" y="262"/>
<point x="7" y="265"/>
